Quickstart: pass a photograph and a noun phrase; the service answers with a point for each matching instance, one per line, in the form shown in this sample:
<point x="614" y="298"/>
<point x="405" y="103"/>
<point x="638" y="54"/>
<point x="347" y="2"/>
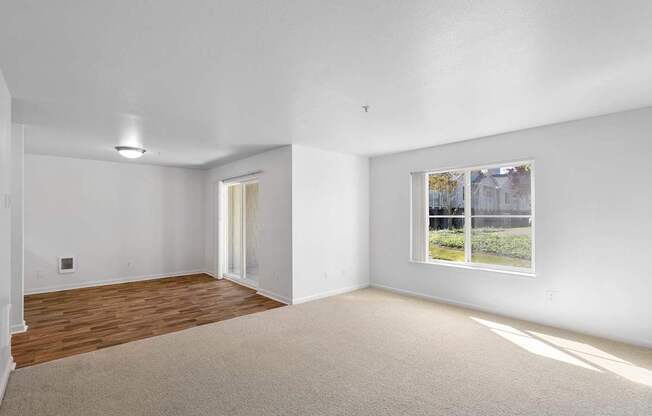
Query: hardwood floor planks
<point x="76" y="321"/>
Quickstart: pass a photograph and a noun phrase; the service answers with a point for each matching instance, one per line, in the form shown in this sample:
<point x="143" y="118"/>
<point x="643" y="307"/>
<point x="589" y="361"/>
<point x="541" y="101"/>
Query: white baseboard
<point x="8" y="367"/>
<point x="637" y="342"/>
<point x="274" y="296"/>
<point x="18" y="328"/>
<point x="243" y="282"/>
<point x="5" y="344"/>
<point x="431" y="298"/>
<point x="329" y="293"/>
<point x="252" y="285"/>
<point x="213" y="275"/>
<point x="93" y="283"/>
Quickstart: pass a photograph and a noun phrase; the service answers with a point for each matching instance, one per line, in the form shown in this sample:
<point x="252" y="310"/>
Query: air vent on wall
<point x="67" y="264"/>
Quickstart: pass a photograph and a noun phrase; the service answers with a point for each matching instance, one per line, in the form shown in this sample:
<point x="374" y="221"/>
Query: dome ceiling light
<point x="130" y="152"/>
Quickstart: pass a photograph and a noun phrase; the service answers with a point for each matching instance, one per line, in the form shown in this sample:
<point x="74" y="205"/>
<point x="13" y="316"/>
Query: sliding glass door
<point x="251" y="230"/>
<point x="234" y="227"/>
<point x="242" y="230"/>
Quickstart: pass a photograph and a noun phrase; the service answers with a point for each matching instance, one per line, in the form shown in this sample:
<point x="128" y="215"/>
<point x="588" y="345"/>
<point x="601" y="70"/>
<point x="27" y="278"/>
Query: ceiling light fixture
<point x="130" y="152"/>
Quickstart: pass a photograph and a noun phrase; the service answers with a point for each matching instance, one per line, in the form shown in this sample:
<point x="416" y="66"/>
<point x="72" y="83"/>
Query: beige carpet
<point x="364" y="353"/>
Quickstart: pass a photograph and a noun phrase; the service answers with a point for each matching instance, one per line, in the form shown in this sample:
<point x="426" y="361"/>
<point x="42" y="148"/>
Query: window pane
<point x="446" y="193"/>
<point x="446" y="239"/>
<point x="501" y="191"/>
<point x="502" y="241"/>
<point x="234" y="226"/>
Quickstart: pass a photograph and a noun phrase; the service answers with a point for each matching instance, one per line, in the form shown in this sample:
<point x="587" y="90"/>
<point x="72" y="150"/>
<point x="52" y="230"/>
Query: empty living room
<point x="361" y="207"/>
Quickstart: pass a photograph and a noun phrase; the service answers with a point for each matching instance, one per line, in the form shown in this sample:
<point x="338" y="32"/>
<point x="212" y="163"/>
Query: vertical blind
<point x="419" y="210"/>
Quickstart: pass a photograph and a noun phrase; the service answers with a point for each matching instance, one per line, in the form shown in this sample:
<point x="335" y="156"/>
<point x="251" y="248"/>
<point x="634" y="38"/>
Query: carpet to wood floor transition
<point x="76" y="321"/>
<point x="367" y="352"/>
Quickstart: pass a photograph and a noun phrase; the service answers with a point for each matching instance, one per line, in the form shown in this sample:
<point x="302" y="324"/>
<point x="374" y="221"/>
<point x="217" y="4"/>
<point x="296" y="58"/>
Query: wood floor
<point x="82" y="320"/>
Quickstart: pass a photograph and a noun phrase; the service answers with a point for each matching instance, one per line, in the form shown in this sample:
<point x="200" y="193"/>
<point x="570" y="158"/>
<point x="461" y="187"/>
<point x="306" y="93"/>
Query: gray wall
<point x="330" y="220"/>
<point x="121" y="221"/>
<point x="593" y="226"/>
<point x="5" y="233"/>
<point x="274" y="216"/>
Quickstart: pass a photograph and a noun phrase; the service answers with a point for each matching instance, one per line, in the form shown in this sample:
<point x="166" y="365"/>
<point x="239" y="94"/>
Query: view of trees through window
<point x="498" y="212"/>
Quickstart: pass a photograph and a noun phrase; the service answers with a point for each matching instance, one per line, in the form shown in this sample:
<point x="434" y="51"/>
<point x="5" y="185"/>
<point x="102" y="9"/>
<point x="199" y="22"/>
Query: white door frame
<point x="223" y="253"/>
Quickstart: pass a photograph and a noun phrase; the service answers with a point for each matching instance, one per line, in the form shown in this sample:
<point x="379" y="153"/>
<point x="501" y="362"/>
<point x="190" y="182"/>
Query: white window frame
<point x="467" y="216"/>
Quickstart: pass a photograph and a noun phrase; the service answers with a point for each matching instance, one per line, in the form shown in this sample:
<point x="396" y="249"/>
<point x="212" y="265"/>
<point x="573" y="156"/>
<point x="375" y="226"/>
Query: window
<point x="476" y="216"/>
<point x="446" y="215"/>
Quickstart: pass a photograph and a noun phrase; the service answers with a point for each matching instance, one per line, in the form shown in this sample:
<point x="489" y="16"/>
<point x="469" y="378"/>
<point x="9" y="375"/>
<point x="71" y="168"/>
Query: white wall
<point x="121" y="221"/>
<point x="330" y="222"/>
<point x="17" y="151"/>
<point x="274" y="216"/>
<point x="6" y="363"/>
<point x="129" y="221"/>
<point x="593" y="226"/>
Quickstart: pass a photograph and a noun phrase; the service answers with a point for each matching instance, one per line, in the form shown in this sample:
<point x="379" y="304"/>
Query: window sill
<point x="529" y="274"/>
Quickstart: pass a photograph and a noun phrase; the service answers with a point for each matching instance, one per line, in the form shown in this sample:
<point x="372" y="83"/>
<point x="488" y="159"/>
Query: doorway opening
<point x="242" y="232"/>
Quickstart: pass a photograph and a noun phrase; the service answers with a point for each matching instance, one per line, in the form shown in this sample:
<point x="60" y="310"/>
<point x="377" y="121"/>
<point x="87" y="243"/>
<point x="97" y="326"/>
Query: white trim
<point x="19" y="328"/>
<point x="242" y="182"/>
<point x="274" y="296"/>
<point x="468" y="222"/>
<point x="468" y="219"/>
<point x="262" y="292"/>
<point x="241" y="281"/>
<point x="227" y="224"/>
<point x="476" y="167"/>
<point x="479" y="266"/>
<point x="213" y="275"/>
<point x="329" y="293"/>
<point x="243" y="232"/>
<point x="9" y="366"/>
<point x="247" y="177"/>
<point x="425" y="251"/>
<point x="93" y="283"/>
<point x="647" y="343"/>
<point x="219" y="232"/>
<point x="533" y="205"/>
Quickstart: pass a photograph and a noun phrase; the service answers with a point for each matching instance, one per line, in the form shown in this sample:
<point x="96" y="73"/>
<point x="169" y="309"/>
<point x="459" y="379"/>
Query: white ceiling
<point x="202" y="82"/>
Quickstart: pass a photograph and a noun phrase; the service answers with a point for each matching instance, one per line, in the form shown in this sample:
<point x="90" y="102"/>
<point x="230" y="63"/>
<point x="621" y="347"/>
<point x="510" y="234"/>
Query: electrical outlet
<point x="325" y="276"/>
<point x="551" y="295"/>
<point x="39" y="274"/>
